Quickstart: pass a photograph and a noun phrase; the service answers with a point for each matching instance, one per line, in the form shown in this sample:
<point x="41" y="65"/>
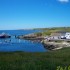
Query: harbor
<point x="55" y="41"/>
<point x="15" y="44"/>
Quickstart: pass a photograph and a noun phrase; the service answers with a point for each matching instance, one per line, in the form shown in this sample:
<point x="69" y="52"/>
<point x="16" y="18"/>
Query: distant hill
<point x="48" y="31"/>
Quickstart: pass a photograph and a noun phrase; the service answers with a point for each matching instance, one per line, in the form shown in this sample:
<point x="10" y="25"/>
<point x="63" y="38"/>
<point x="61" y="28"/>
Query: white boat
<point x="4" y="35"/>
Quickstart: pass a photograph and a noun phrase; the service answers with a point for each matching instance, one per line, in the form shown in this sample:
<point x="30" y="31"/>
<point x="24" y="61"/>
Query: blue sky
<point x="25" y="14"/>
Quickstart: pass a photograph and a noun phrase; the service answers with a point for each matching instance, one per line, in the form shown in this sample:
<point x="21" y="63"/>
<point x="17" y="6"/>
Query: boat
<point x="4" y="35"/>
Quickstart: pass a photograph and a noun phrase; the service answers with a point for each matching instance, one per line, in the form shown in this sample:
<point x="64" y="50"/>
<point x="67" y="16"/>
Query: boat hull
<point x="5" y="36"/>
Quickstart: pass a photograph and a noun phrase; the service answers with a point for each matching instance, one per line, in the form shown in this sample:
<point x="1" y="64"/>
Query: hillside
<point x="48" y="31"/>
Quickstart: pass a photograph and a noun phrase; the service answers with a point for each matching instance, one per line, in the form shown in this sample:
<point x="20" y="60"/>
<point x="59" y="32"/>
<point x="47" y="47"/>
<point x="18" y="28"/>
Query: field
<point x="35" y="61"/>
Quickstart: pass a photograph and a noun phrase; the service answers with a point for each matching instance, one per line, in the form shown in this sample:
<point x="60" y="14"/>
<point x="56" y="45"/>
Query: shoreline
<point x="48" y="44"/>
<point x="55" y="45"/>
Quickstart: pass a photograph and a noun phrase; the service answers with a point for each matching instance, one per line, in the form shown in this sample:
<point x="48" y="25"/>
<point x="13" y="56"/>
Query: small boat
<point x="4" y="35"/>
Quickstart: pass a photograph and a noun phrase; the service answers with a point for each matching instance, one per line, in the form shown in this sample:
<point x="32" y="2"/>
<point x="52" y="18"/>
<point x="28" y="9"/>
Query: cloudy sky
<point x="21" y="14"/>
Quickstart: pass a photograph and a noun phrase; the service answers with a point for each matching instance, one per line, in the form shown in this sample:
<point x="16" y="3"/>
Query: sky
<point x="27" y="14"/>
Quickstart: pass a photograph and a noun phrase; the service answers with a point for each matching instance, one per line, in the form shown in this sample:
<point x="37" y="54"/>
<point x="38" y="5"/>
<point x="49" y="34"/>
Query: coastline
<point x="43" y="36"/>
<point x="50" y="45"/>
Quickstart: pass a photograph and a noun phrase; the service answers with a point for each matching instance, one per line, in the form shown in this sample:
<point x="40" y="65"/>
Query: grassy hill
<point x="35" y="61"/>
<point x="48" y="31"/>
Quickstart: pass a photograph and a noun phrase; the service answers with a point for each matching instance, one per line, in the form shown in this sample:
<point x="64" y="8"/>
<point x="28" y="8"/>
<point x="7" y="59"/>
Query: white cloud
<point x="66" y="1"/>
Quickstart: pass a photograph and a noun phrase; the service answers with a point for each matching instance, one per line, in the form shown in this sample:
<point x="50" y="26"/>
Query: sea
<point x="20" y="44"/>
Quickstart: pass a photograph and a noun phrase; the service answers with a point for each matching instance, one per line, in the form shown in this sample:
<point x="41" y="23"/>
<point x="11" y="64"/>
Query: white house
<point x="58" y="35"/>
<point x="67" y="35"/>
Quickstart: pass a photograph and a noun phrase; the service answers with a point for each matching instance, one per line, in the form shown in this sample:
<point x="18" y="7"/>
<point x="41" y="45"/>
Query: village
<point x="58" y="36"/>
<point x="57" y="40"/>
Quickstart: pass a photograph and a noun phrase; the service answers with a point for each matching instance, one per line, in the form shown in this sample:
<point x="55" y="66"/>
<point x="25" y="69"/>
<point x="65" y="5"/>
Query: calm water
<point x="20" y="45"/>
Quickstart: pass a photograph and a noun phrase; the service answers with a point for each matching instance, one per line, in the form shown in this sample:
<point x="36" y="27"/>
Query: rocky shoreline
<point x="54" y="45"/>
<point x="50" y="45"/>
<point x="32" y="37"/>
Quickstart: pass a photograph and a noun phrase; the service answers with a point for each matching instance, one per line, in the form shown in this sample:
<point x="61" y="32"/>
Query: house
<point x="58" y="35"/>
<point x="61" y="35"/>
<point x="67" y="35"/>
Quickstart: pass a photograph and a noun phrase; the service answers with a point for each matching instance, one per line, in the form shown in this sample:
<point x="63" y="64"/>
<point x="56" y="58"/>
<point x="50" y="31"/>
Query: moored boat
<point x="4" y="35"/>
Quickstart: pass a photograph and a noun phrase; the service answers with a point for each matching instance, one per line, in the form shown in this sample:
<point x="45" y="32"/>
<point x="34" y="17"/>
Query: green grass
<point x="34" y="61"/>
<point x="48" y="31"/>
